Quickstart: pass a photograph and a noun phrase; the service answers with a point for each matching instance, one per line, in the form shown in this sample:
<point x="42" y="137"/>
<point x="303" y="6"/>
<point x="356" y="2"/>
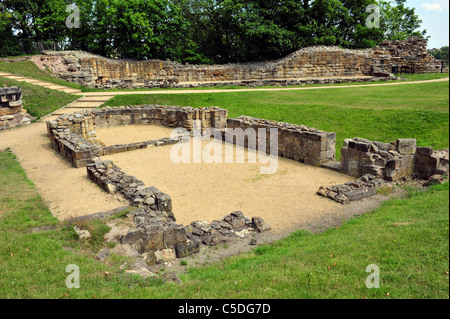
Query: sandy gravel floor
<point x="202" y="191"/>
<point x="132" y="134"/>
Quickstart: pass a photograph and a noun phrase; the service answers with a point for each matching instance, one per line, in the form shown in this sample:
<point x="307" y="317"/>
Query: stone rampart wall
<point x="313" y="62"/>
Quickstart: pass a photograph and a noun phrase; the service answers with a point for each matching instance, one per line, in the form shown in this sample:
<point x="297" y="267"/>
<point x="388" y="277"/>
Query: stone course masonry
<point x="311" y="65"/>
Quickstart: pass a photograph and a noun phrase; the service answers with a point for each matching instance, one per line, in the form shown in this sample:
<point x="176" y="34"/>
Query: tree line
<point x="441" y="54"/>
<point x="199" y="31"/>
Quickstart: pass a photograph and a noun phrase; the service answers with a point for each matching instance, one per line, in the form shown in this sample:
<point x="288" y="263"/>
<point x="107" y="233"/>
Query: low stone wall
<point x="154" y="230"/>
<point x="74" y="136"/>
<point x="159" y="239"/>
<point x="298" y="142"/>
<point x="383" y="160"/>
<point x="112" y="179"/>
<point x="392" y="161"/>
<point x="148" y="84"/>
<point x="12" y="112"/>
<point x="317" y="62"/>
<point x="377" y="164"/>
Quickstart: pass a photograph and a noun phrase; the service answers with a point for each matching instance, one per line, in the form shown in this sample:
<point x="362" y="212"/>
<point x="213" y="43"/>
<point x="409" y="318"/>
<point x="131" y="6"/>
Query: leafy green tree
<point x="149" y="29"/>
<point x="354" y="32"/>
<point x="85" y="36"/>
<point x="399" y="22"/>
<point x="441" y="54"/>
<point x="267" y="30"/>
<point x="38" y="21"/>
<point x="9" y="43"/>
<point x="139" y="29"/>
<point x="212" y="27"/>
<point x="203" y="31"/>
<point x="444" y="51"/>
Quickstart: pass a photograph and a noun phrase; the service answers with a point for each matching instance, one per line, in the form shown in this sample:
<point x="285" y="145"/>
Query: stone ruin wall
<point x="300" y="67"/>
<point x="392" y="161"/>
<point x="12" y="112"/>
<point x="389" y="161"/>
<point x="74" y="136"/>
<point x="410" y="56"/>
<point x="297" y="142"/>
<point x="376" y="164"/>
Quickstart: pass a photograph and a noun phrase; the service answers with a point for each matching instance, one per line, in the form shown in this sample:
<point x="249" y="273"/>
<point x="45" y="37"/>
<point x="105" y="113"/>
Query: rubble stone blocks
<point x="428" y="162"/>
<point x="112" y="179"/>
<point x="364" y="186"/>
<point x="154" y="221"/>
<point x="375" y="164"/>
<point x="12" y="112"/>
<point x="154" y="232"/>
<point x="312" y="65"/>
<point x="392" y="161"/>
<point x="230" y="227"/>
<point x="409" y="56"/>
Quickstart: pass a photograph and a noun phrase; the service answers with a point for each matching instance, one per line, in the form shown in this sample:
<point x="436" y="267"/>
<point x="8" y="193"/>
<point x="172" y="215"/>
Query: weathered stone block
<point x="186" y="249"/>
<point x="164" y="202"/>
<point x="362" y="146"/>
<point x="165" y="255"/>
<point x="153" y="239"/>
<point x="149" y="258"/>
<point x="427" y="151"/>
<point x="174" y="235"/>
<point x="132" y="236"/>
<point x="260" y="224"/>
<point x="406" y="146"/>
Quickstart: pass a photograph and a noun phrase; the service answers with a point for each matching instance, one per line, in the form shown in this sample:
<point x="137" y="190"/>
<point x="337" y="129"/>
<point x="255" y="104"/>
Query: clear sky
<point x="434" y="16"/>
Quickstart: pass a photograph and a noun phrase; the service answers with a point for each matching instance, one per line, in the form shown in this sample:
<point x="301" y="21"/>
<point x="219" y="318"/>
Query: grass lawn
<point x="423" y="77"/>
<point x="408" y="239"/>
<point x="377" y="113"/>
